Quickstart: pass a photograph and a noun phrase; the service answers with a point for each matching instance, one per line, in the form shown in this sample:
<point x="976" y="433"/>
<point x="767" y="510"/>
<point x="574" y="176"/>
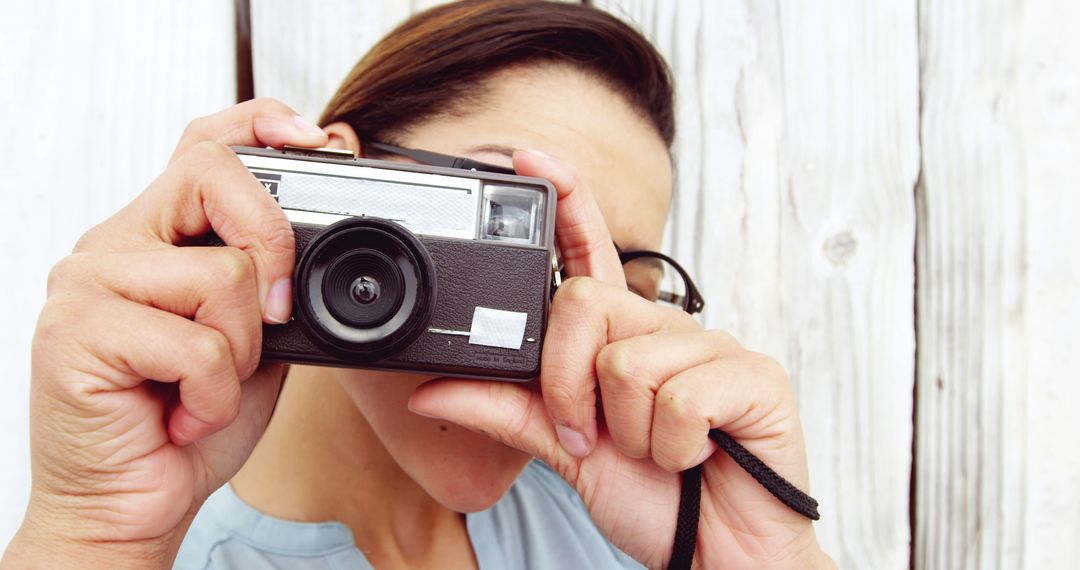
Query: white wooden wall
<point x="798" y="156"/>
<point x="998" y="457"/>
<point x="93" y="97"/>
<point x="853" y="176"/>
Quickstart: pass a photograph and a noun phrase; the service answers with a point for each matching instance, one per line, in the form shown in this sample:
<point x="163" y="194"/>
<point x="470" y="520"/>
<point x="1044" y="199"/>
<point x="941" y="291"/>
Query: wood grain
<point x="797" y="158"/>
<point x="95" y="96"/>
<point x="302" y="51"/>
<point x="796" y="210"/>
<point x="998" y="449"/>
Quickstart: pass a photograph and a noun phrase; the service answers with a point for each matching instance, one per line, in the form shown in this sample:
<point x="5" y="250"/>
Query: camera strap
<point x="686" y="526"/>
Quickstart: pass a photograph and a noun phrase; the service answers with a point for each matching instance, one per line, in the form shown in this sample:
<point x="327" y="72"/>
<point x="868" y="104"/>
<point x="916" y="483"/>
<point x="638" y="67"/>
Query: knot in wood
<point x="841" y="247"/>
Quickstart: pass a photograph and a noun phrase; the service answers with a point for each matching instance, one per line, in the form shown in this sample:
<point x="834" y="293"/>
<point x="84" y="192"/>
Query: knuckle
<point x="279" y="237"/>
<point x="772" y="374"/>
<point x="196" y="129"/>
<point x="72" y="271"/>
<point x="269" y="106"/>
<point x="208" y="152"/>
<point x="678" y="405"/>
<point x="210" y="350"/>
<point x="90" y="240"/>
<point x="765" y="366"/>
<point x="560" y="398"/>
<point x="578" y="290"/>
<point x="200" y="158"/>
<point x="61" y="334"/>
<point x="52" y="324"/>
<point x="199" y="165"/>
<point x="620" y="362"/>
<point x="208" y="129"/>
<point x="68" y="269"/>
<point x="723" y="338"/>
<point x="233" y="268"/>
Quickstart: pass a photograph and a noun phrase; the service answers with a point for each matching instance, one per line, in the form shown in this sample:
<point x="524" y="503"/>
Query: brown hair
<point x="433" y="63"/>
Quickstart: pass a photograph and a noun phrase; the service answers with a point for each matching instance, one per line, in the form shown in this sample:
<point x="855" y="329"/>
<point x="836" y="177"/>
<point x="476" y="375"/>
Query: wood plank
<point x="997" y="461"/>
<point x="95" y="97"/>
<point x="301" y="51"/>
<point x="797" y="157"/>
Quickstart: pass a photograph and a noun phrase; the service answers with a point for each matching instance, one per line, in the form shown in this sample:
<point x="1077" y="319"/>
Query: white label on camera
<point x="502" y="329"/>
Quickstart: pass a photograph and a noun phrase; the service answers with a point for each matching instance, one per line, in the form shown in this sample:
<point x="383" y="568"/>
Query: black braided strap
<point x="788" y="494"/>
<point x="682" y="553"/>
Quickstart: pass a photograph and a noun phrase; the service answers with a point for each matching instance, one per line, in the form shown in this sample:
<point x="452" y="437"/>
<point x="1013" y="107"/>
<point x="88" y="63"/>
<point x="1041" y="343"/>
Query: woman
<point x="361" y="467"/>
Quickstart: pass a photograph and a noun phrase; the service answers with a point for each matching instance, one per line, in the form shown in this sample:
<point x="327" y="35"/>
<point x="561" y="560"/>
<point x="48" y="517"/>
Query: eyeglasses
<point x="650" y="274"/>
<point x="660" y="279"/>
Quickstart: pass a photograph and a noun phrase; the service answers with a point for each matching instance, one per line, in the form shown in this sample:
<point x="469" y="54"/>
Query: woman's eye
<point x="643" y="277"/>
<point x="647" y="291"/>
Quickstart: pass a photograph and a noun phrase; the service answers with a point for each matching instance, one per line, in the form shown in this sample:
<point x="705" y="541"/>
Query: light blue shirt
<point x="541" y="523"/>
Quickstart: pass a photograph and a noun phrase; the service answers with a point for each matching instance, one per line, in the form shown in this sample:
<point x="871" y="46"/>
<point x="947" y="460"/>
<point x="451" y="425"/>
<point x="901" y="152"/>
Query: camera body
<point x="412" y="268"/>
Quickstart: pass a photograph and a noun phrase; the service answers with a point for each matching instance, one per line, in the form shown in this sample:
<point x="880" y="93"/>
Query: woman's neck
<point x="319" y="461"/>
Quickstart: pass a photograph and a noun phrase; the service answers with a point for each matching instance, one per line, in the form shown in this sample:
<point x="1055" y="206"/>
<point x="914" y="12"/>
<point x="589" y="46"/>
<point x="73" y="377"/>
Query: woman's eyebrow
<point x="629" y="245"/>
<point x="492" y="148"/>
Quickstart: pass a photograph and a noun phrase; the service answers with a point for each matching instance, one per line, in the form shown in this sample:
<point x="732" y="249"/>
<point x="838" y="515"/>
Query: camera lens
<point x="365" y="288"/>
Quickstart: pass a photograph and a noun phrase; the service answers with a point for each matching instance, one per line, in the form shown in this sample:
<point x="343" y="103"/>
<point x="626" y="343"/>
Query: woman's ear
<point x="343" y="137"/>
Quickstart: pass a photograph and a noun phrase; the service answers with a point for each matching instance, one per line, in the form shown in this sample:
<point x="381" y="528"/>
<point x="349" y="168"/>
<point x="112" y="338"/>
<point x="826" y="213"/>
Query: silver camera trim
<point x="355" y="187"/>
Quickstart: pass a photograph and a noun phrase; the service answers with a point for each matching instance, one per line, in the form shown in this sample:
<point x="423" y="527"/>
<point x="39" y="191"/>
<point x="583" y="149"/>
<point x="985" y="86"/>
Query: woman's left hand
<point x="662" y="382"/>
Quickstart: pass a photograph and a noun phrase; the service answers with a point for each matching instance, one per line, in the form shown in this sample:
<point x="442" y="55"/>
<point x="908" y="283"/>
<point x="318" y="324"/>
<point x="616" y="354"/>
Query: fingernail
<point x="706" y="452"/>
<point x="539" y="153"/>
<point x="278" y="305"/>
<point x="572" y="441"/>
<point x="307" y="127"/>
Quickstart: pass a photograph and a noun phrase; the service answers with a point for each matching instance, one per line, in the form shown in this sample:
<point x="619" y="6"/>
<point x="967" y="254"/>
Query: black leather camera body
<point x="413" y="268"/>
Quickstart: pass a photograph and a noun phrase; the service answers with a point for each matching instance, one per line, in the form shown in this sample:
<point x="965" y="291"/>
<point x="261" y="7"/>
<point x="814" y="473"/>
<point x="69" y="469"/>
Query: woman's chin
<point x="474" y="488"/>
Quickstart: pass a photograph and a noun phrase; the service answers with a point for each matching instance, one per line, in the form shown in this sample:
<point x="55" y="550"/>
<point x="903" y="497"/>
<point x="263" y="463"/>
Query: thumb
<point x="508" y="413"/>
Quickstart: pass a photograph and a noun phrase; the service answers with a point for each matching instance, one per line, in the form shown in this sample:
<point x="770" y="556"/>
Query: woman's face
<point x="570" y="116"/>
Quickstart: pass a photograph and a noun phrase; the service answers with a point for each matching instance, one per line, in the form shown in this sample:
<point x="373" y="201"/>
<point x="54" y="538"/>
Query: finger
<point x="122" y="344"/>
<point x="746" y="396"/>
<point x="215" y="286"/>
<point x="258" y="122"/>
<point x="583" y="237"/>
<point x="585" y="316"/>
<point x="210" y="189"/>
<point x="231" y="446"/>
<point x="631" y="371"/>
<point x="508" y="413"/>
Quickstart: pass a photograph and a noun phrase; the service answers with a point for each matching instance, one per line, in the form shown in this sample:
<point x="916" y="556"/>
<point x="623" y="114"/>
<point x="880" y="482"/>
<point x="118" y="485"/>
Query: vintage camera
<point x="414" y="268"/>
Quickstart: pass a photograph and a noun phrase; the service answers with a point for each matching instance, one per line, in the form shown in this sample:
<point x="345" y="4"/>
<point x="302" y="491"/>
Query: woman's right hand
<point x="147" y="393"/>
